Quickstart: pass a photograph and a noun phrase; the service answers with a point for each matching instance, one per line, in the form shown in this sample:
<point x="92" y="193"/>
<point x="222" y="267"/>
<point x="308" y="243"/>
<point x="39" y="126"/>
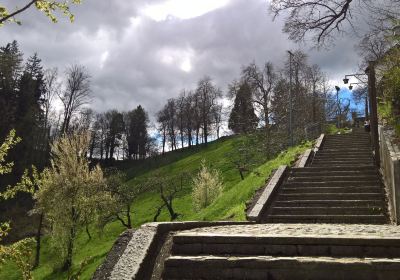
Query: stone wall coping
<point x="305" y="158"/>
<point x="394" y="150"/>
<point x="267" y="193"/>
<point x="136" y="260"/>
<point x="319" y="143"/>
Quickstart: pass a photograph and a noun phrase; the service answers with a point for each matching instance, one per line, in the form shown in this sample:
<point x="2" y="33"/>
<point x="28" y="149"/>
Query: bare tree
<point x="262" y="82"/>
<point x="52" y="89"/>
<point x="323" y="19"/>
<point x="180" y="107"/>
<point x="208" y="94"/>
<point x="76" y="94"/>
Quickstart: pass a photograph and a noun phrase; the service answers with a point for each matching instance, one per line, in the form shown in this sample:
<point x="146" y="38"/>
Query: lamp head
<point x="350" y="87"/>
<point x="337" y="88"/>
<point x="345" y="81"/>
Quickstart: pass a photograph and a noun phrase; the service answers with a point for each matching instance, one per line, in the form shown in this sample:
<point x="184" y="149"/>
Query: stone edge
<point x="118" y="263"/>
<point x="267" y="193"/>
<point x="319" y="143"/>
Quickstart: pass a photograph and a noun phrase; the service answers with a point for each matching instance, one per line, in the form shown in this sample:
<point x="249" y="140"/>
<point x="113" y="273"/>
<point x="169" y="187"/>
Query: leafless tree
<point x="262" y="81"/>
<point x="76" y="94"/>
<point x="208" y="94"/>
<point x="323" y="19"/>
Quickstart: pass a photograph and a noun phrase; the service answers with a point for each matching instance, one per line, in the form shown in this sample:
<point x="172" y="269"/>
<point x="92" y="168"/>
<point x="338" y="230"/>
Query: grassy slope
<point x="229" y="206"/>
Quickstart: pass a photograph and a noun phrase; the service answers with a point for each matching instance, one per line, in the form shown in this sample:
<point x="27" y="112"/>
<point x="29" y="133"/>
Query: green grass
<point x="229" y="206"/>
<point x="332" y="129"/>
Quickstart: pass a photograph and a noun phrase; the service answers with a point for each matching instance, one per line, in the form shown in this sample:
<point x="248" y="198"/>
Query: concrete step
<point x="330" y="196"/>
<point x="264" y="243"/>
<point x="367" y="183"/>
<point x="334" y="168"/>
<point x="341" y="164"/>
<point x="378" y="219"/>
<point x="333" y="178"/>
<point x="344" y="157"/>
<point x="344" y="161"/>
<point x="371" y="203"/>
<point x="358" y="173"/>
<point x="270" y="268"/>
<point x="352" y="143"/>
<point x="352" y="189"/>
<point x="334" y="153"/>
<point x="326" y="210"/>
<point x="347" y="148"/>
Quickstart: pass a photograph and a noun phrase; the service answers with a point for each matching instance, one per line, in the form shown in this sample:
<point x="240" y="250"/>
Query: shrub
<point x="207" y="186"/>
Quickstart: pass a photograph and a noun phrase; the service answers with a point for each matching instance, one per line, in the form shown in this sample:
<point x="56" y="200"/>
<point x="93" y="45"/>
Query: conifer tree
<point x="242" y="118"/>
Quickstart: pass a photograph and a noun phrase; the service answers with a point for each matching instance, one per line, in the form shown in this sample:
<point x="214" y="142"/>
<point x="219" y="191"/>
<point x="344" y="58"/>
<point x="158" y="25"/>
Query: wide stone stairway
<point x="341" y="185"/>
<point x="325" y="222"/>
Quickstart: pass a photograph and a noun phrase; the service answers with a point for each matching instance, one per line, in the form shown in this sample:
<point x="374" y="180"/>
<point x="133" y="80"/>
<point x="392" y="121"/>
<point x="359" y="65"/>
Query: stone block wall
<point x="390" y="168"/>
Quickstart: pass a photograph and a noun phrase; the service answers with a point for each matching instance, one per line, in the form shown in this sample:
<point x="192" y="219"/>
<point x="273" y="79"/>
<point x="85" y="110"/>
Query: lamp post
<point x="290" y="99"/>
<point x="370" y="73"/>
<point x="338" y="111"/>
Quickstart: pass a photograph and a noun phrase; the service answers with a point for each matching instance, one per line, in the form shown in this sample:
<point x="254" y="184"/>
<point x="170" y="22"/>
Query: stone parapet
<point x="390" y="169"/>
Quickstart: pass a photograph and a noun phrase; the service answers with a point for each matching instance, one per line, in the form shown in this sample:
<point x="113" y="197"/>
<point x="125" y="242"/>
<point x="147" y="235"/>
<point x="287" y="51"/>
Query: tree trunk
<point x="87" y="231"/>
<point x="38" y="241"/>
<point x="366" y="107"/>
<point x="70" y="247"/>
<point x="163" y="142"/>
<point x="158" y="213"/>
<point x="128" y="215"/>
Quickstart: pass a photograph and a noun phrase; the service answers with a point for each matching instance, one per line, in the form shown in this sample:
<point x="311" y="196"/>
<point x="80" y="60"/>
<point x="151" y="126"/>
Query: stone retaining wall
<point x="135" y="254"/>
<point x="390" y="169"/>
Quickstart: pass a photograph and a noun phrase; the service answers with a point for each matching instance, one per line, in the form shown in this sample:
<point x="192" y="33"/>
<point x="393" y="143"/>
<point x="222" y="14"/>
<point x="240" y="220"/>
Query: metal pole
<point x="373" y="110"/>
<point x="290" y="99"/>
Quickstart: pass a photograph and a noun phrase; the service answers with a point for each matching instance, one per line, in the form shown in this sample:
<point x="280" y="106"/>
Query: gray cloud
<point x="144" y="57"/>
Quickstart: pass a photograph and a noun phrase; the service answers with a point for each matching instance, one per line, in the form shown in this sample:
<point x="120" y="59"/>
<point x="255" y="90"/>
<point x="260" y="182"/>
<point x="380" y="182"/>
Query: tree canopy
<point x="48" y="7"/>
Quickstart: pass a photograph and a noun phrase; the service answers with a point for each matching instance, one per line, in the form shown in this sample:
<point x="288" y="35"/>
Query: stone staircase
<point x="341" y="185"/>
<point x="325" y="222"/>
<point x="286" y="251"/>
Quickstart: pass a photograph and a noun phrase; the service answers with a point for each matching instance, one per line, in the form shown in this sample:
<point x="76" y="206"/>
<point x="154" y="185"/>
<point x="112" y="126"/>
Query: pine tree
<point x="137" y="134"/>
<point x="242" y="118"/>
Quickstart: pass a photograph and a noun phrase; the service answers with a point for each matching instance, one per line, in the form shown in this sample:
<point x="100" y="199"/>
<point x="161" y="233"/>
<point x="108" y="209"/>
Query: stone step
<point x="326" y="210"/>
<point x="345" y="151"/>
<point x="346" y="157"/>
<point x="333" y="178"/>
<point x="343" y="157"/>
<point x="352" y="143"/>
<point x="261" y="243"/>
<point x="351" y="189"/>
<point x="270" y="268"/>
<point x="307" y="173"/>
<point x="294" y="184"/>
<point x="334" y="168"/>
<point x="330" y="196"/>
<point x="334" y="153"/>
<point x="348" y="219"/>
<point x="372" y="203"/>
<point x="341" y="161"/>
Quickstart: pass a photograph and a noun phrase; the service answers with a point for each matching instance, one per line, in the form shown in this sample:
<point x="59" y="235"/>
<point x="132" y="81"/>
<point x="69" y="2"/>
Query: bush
<point x="207" y="186"/>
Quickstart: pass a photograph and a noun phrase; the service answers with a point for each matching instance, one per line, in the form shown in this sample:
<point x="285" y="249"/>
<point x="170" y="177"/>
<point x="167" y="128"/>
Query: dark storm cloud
<point x="135" y="60"/>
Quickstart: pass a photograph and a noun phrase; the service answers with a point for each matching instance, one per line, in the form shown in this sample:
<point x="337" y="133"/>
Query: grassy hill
<point x="229" y="206"/>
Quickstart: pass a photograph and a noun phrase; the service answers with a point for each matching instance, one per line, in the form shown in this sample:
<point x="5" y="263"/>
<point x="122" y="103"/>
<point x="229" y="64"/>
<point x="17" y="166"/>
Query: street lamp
<point x="338" y="112"/>
<point x="290" y="98"/>
<point x="351" y="85"/>
<point x="346" y="79"/>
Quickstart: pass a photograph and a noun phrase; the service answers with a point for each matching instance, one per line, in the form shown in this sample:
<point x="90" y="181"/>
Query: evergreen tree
<point x="242" y="118"/>
<point x="137" y="134"/>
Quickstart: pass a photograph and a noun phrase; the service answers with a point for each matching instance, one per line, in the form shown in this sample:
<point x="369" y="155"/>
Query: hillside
<point x="229" y="206"/>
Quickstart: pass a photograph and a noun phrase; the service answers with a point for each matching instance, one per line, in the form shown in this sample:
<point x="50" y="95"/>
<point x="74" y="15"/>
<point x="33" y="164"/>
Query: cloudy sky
<point x="144" y="52"/>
